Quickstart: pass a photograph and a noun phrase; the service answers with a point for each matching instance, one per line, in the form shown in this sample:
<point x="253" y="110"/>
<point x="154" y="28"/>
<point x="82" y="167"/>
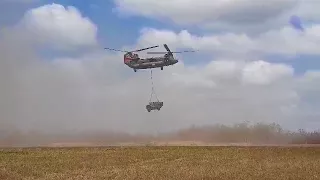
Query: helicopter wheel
<point x="135" y="70"/>
<point x="161" y="68"/>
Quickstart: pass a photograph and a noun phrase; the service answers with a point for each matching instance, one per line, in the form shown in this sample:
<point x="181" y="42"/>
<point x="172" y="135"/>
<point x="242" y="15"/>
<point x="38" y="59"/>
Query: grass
<point x="161" y="163"/>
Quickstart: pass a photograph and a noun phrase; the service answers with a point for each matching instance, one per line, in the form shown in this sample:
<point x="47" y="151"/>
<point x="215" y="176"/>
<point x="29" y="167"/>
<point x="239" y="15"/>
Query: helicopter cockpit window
<point x="129" y="55"/>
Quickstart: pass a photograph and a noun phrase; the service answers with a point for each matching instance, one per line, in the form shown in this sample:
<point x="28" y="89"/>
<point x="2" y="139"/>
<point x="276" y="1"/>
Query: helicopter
<point x="133" y="60"/>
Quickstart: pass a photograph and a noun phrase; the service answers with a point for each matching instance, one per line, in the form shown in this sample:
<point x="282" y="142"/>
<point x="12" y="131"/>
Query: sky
<point x="251" y="65"/>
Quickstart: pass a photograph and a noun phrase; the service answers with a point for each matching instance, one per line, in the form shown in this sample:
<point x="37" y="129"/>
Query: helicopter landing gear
<point x="135" y="70"/>
<point x="161" y="68"/>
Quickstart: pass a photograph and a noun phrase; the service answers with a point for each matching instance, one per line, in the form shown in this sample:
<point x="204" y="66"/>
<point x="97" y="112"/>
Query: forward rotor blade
<point x="115" y="50"/>
<point x="145" y="49"/>
<point x="132" y="51"/>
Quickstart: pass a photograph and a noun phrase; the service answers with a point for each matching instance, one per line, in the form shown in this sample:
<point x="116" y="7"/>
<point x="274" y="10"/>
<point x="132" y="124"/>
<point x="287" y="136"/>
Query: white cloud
<point x="189" y="11"/>
<point x="251" y="16"/>
<point x="236" y="73"/>
<point x="307" y="10"/>
<point x="234" y="15"/>
<point x="285" y="41"/>
<point x="97" y="91"/>
<point x="261" y="72"/>
<point x="60" y="27"/>
<point x="91" y="93"/>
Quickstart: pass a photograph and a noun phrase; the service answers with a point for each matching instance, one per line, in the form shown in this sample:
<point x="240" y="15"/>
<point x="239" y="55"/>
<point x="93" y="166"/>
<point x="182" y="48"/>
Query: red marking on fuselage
<point x="127" y="60"/>
<point x="130" y="57"/>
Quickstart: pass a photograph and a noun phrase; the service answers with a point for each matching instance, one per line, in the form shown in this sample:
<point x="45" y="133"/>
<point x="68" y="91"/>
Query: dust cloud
<point x="240" y="134"/>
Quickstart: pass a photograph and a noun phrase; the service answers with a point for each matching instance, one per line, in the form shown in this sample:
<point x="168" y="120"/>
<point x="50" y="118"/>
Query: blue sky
<point x="110" y="25"/>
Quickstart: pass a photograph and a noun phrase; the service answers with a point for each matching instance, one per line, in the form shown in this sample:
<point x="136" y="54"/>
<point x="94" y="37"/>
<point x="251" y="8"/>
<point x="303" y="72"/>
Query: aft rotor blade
<point x="167" y="52"/>
<point x="157" y="52"/>
<point x="167" y="48"/>
<point x="132" y="51"/>
<point x="145" y="49"/>
<point x="115" y="50"/>
<point x="183" y="51"/>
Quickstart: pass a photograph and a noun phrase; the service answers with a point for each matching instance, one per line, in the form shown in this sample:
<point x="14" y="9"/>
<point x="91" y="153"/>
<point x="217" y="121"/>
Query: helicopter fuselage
<point x="132" y="60"/>
<point x="148" y="63"/>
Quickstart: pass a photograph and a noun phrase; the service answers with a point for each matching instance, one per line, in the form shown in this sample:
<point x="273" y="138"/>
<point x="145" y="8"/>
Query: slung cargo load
<point x="154" y="106"/>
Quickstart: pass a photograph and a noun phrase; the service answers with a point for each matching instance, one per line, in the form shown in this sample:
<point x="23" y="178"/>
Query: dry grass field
<point x="161" y="163"/>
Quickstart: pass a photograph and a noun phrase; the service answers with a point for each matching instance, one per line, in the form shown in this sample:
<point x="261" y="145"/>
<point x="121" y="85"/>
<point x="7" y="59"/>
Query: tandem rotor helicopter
<point x="132" y="60"/>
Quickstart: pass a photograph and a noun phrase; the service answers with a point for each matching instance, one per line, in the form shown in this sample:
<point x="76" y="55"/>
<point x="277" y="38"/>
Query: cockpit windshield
<point x="131" y="55"/>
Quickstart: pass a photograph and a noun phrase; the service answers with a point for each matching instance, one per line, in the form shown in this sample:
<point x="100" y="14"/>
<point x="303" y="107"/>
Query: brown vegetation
<point x="161" y="163"/>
